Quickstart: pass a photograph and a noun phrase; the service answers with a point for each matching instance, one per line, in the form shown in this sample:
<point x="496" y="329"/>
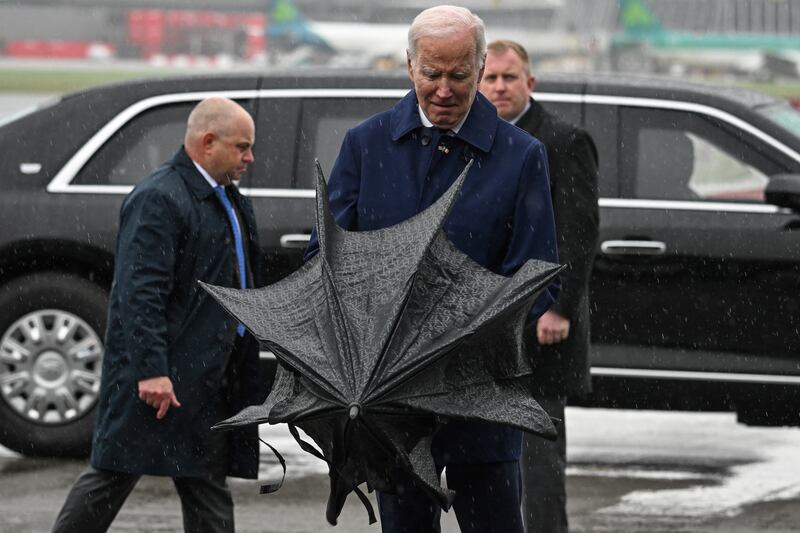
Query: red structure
<point x="44" y="49"/>
<point x="160" y="34"/>
<point x="200" y="34"/>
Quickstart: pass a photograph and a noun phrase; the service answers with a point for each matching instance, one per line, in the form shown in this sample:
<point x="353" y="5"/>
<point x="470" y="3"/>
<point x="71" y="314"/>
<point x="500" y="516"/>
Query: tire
<point x="51" y="350"/>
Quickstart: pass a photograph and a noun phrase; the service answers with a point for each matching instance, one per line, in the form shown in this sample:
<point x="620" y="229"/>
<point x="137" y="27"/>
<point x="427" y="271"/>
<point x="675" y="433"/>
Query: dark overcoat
<point x="563" y="369"/>
<point x="390" y="167"/>
<point x="173" y="232"/>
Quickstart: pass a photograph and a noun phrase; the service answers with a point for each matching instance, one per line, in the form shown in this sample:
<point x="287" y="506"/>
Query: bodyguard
<point x="175" y="362"/>
<point x="558" y="342"/>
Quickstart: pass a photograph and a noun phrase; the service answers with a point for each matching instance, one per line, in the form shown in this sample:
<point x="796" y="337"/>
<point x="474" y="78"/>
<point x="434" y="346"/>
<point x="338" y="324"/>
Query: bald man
<point x="175" y="363"/>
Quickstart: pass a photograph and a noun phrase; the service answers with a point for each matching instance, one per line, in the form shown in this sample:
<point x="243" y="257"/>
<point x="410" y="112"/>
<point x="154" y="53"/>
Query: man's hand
<point x="158" y="394"/>
<point x="551" y="328"/>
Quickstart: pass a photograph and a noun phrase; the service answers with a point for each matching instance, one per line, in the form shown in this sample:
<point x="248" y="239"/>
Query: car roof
<point x="300" y="79"/>
<point x="609" y="84"/>
<point x="659" y="87"/>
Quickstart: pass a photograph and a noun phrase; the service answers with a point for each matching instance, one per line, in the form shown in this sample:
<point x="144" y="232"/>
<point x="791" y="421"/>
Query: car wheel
<point x="51" y="352"/>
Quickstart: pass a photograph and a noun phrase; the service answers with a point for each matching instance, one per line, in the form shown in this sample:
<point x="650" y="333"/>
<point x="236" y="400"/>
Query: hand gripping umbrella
<point x="382" y="336"/>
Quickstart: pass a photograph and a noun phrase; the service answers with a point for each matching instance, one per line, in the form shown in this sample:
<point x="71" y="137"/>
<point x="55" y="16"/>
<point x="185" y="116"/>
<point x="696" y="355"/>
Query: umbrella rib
<point x="340" y="319"/>
<point x="375" y="388"/>
<point x="449" y="198"/>
<point x="514" y="299"/>
<point x="411" y="371"/>
<point x="379" y="368"/>
<point x="305" y="370"/>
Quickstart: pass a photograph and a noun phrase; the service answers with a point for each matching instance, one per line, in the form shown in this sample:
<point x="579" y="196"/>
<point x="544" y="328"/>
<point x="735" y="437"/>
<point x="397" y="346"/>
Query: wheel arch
<point x="33" y="256"/>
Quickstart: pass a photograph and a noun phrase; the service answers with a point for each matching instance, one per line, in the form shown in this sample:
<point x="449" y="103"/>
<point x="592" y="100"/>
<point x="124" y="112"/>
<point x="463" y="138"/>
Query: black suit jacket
<point x="563" y="369"/>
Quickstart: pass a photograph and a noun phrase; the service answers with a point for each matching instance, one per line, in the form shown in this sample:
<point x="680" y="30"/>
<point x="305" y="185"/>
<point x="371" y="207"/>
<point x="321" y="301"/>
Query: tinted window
<point x="675" y="155"/>
<point x="717" y="174"/>
<point x="784" y="115"/>
<point x="324" y="124"/>
<point x="275" y="144"/>
<point x="138" y="148"/>
<point x="152" y="137"/>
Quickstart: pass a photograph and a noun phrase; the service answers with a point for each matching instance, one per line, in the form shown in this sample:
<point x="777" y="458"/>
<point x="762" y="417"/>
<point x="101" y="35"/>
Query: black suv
<point x="695" y="292"/>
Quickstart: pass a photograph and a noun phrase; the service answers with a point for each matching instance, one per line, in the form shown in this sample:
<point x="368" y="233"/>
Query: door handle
<point x="295" y="240"/>
<point x="633" y="247"/>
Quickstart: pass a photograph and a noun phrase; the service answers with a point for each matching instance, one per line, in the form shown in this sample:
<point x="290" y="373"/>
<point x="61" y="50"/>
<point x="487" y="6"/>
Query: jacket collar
<point x="533" y="118"/>
<point x="479" y="130"/>
<point x="195" y="181"/>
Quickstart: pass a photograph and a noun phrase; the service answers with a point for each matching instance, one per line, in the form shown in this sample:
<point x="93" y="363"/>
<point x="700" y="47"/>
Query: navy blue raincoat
<point x="173" y="232"/>
<point x="390" y="167"/>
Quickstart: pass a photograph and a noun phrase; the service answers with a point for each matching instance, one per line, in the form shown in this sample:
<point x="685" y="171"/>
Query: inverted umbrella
<point x="382" y="336"/>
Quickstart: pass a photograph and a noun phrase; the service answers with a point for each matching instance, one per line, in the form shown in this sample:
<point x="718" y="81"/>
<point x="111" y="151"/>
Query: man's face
<point x="506" y="83"/>
<point x="229" y="154"/>
<point x="445" y="75"/>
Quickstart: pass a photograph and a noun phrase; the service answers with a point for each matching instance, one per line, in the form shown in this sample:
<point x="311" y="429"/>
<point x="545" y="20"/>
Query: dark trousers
<point x="97" y="496"/>
<point x="543" y="465"/>
<point x="487" y="501"/>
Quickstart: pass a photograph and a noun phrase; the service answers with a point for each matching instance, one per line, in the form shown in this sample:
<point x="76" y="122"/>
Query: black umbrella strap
<point x="268" y="489"/>
<point x="316" y="453"/>
<point x="367" y="504"/>
<point x="306" y="447"/>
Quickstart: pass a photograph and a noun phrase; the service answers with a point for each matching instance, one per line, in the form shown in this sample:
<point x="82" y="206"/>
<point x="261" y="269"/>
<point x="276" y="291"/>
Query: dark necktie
<point x="237" y="239"/>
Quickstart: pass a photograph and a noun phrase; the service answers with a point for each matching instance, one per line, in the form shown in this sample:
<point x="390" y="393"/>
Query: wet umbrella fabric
<point x="382" y="336"/>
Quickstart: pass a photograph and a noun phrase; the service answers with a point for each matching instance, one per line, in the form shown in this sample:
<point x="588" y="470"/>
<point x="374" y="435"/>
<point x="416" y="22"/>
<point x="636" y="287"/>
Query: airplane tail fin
<point x="287" y="25"/>
<point x="636" y="17"/>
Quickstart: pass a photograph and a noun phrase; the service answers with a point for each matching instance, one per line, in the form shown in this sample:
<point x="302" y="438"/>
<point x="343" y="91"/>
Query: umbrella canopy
<point x="382" y="336"/>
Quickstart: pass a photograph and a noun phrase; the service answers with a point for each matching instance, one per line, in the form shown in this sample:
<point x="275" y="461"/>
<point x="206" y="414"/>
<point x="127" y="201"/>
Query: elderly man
<point x="398" y="163"/>
<point x="559" y="343"/>
<point x="175" y="362"/>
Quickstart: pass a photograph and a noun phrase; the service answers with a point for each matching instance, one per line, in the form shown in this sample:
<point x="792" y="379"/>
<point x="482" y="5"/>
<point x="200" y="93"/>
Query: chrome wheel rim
<point x="50" y="364"/>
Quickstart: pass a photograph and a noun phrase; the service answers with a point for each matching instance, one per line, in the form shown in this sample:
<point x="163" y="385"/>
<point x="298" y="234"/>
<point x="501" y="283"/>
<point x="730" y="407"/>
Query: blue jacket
<point x="390" y="167"/>
<point x="173" y="232"/>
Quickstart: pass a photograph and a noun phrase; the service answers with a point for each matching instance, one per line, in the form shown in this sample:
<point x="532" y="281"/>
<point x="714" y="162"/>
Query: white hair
<point x="445" y="21"/>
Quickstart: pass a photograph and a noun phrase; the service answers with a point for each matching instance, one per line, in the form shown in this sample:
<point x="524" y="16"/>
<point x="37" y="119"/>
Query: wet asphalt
<point x="630" y="471"/>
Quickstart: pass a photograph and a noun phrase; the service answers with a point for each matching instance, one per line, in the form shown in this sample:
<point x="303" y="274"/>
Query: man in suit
<point x="175" y="363"/>
<point x="559" y="342"/>
<point x="396" y="164"/>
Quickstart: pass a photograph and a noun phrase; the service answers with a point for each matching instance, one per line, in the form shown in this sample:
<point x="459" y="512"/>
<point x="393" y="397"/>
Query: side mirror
<point x="783" y="190"/>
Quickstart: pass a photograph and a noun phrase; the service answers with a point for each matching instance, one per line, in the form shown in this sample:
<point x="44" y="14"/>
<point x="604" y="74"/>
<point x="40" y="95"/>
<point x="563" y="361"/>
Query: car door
<point x="696" y="275"/>
<point x="281" y="210"/>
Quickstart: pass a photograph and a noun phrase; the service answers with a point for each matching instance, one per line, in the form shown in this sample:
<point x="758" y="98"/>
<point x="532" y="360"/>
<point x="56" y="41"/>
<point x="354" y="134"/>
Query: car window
<point x="784" y="115"/>
<point x="718" y="175"/>
<point x="137" y="148"/>
<point x="674" y="155"/>
<point x="274" y="149"/>
<point x="327" y="133"/>
<point x="152" y="137"/>
<point x="324" y="123"/>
